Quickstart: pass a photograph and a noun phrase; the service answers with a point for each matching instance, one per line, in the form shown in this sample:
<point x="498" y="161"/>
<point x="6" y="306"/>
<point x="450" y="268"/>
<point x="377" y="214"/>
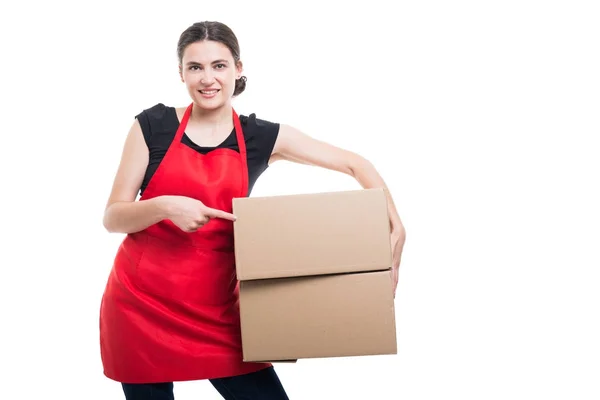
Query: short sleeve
<point x="149" y="119"/>
<point x="261" y="136"/>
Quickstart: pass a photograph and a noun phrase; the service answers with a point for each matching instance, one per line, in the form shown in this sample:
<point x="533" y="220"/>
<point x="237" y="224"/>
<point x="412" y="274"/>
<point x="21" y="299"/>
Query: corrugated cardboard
<point x="319" y="316"/>
<point x="314" y="272"/>
<point x="311" y="234"/>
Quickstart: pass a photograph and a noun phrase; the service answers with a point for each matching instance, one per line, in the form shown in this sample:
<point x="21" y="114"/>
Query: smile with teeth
<point x="209" y="92"/>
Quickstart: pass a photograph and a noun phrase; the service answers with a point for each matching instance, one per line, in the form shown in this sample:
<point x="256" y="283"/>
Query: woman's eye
<point x="197" y="67"/>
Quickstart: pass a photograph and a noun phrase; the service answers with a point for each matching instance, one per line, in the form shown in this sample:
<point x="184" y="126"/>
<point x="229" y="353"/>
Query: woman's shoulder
<point x="251" y="121"/>
<point x="158" y="119"/>
<point x="260" y="133"/>
<point x="155" y="112"/>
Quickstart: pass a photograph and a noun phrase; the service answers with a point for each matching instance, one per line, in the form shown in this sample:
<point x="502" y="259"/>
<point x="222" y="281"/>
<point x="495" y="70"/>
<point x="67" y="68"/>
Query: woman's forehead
<point x="207" y="51"/>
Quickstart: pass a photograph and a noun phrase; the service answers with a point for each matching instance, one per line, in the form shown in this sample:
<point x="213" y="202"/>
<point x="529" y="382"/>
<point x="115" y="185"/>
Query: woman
<point x="170" y="309"/>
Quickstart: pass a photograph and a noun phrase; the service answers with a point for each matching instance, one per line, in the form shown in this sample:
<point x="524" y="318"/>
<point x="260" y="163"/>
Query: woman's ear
<point x="240" y="69"/>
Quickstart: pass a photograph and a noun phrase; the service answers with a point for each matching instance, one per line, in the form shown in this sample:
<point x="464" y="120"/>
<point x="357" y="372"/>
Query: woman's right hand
<point x="190" y="214"/>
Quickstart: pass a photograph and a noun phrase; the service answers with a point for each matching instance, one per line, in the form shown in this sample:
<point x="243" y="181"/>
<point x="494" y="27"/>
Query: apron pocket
<point x="186" y="274"/>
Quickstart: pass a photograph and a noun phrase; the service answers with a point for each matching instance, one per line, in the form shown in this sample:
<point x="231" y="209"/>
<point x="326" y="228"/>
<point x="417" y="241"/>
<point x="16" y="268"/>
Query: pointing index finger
<point x="214" y="213"/>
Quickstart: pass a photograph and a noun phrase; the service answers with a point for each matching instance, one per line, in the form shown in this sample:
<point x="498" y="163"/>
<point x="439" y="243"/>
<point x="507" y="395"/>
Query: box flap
<point x="311" y="234"/>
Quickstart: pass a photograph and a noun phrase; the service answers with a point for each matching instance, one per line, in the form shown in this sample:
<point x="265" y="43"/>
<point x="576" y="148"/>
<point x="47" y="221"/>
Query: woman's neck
<point x="217" y="116"/>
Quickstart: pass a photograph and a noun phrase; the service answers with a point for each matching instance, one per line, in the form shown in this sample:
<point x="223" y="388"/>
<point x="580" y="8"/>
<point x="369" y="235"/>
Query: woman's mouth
<point x="209" y="93"/>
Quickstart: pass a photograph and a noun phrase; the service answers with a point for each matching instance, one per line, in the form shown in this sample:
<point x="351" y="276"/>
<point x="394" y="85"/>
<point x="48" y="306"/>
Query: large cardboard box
<point x="315" y="275"/>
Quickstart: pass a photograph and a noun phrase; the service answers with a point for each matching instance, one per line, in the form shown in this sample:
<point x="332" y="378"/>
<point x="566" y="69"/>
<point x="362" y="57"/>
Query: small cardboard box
<point x="315" y="275"/>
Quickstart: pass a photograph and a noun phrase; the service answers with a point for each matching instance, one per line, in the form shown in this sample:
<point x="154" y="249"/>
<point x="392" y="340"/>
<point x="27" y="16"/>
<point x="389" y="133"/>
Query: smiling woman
<point x="207" y="67"/>
<point x="170" y="308"/>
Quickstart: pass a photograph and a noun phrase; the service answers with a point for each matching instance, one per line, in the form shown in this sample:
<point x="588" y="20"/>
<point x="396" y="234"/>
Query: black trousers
<point x="263" y="385"/>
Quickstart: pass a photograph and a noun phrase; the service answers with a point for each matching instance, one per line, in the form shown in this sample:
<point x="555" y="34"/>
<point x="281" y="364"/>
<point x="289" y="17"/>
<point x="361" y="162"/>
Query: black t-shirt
<point x="159" y="125"/>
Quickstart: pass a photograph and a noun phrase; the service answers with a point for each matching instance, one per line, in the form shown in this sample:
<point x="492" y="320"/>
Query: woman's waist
<point x="171" y="235"/>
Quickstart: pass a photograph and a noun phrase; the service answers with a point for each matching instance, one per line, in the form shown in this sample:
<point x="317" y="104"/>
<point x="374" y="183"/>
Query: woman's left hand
<point x="397" y="241"/>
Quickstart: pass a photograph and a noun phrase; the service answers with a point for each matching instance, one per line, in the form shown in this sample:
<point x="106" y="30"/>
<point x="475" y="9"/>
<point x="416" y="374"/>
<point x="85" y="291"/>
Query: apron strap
<point x="239" y="134"/>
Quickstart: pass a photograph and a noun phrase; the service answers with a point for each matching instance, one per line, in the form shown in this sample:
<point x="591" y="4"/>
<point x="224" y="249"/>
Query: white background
<point x="480" y="115"/>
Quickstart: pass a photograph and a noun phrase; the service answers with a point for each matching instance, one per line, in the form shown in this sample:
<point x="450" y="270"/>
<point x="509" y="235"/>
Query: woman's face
<point x="209" y="72"/>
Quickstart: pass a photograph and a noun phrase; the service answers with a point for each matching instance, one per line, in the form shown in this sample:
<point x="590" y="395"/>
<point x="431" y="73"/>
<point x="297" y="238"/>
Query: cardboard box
<point x="311" y="234"/>
<point x="318" y="316"/>
<point x="314" y="272"/>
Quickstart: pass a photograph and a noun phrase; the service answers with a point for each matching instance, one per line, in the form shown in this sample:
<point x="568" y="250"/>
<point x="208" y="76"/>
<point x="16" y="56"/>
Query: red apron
<point x="170" y="310"/>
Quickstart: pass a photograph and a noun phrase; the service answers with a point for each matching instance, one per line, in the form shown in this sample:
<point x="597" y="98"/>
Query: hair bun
<point x="240" y="85"/>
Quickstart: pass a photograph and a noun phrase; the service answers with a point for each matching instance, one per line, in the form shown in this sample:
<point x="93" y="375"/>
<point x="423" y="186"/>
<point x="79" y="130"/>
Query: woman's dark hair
<point x="217" y="32"/>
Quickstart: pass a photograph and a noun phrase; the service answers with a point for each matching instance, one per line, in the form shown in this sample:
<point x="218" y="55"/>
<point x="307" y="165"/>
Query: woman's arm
<point x="296" y="146"/>
<point x="125" y="215"/>
<point x="122" y="213"/>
